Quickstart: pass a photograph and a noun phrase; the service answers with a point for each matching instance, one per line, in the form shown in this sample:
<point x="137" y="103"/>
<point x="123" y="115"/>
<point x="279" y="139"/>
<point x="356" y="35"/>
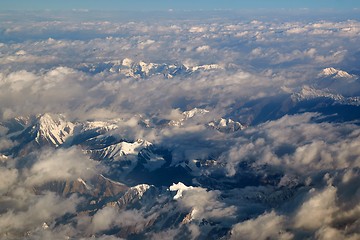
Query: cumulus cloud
<point x="104" y="219"/>
<point x="6" y="143"/>
<point x="266" y="226"/>
<point x="202" y="203"/>
<point x="39" y="209"/>
<point x="61" y="164"/>
<point x="294" y="142"/>
<point x="8" y="179"/>
<point x="318" y="210"/>
<point x="110" y="217"/>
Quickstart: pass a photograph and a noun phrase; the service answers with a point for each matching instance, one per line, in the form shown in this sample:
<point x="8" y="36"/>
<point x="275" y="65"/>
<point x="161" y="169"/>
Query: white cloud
<point x="266" y="226"/>
<point x="203" y="203"/>
<point x="104" y="219"/>
<point x="38" y="209"/>
<point x="110" y="217"/>
<point x="308" y="147"/>
<point x="61" y="164"/>
<point x="8" y="177"/>
<point x="318" y="210"/>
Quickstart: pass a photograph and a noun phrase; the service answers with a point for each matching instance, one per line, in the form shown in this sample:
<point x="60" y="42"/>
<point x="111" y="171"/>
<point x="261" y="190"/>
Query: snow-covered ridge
<point x="226" y="125"/>
<point x="130" y="68"/>
<point x="139" y="190"/>
<point x="308" y="92"/>
<point x="99" y="125"/>
<point x="206" y="67"/>
<point x="118" y="150"/>
<point x="335" y="73"/>
<point x="187" y="115"/>
<point x="133" y="194"/>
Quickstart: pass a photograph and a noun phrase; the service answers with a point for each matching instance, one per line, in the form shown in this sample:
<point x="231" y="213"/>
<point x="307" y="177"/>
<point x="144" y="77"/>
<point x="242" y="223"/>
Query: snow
<point x="107" y="126"/>
<point x="308" y="92"/>
<point x="195" y="111"/>
<point x="83" y="183"/>
<point x="122" y="149"/>
<point x="335" y="73"/>
<point x="180" y="188"/>
<point x="146" y="67"/>
<point x="140" y="189"/>
<point x="188" y="114"/>
<point x="129" y="68"/>
<point x="206" y="67"/>
<point x="45" y="226"/>
<point x="113" y="182"/>
<point x="3" y="157"/>
<point x="328" y="71"/>
<point x="54" y="129"/>
<point x="226" y="125"/>
<point x="127" y="62"/>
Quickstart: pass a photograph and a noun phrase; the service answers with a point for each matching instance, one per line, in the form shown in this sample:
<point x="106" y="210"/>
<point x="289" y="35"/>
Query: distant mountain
<point x="335" y="73"/>
<point x="338" y="82"/>
<point x="195" y="112"/>
<point x="226" y="125"/>
<point x="129" y="68"/>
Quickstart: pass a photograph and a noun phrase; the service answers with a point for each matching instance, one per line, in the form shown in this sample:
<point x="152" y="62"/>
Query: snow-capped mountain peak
<point x="127" y="62"/>
<point x="334" y="73"/>
<point x="206" y="67"/>
<point x="307" y="92"/>
<point x="53" y="129"/>
<point x="99" y="126"/>
<point x="116" y="151"/>
<point x="226" y="125"/>
<point x="187" y="115"/>
<point x="140" y="189"/>
<point x="143" y="69"/>
<point x="195" y="111"/>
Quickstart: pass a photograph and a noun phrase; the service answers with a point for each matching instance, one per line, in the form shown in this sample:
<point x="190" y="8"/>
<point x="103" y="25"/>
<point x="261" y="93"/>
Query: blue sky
<point x="174" y="4"/>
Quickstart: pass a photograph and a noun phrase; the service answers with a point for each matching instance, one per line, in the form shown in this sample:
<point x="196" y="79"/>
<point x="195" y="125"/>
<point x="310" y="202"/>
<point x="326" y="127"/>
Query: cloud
<point x="110" y="217"/>
<point x="297" y="144"/>
<point x="61" y="164"/>
<point x="203" y="203"/>
<point x="6" y="143"/>
<point x="266" y="226"/>
<point x="39" y="209"/>
<point x="8" y="179"/>
<point x="104" y="219"/>
<point x="19" y="200"/>
<point x="167" y="234"/>
<point x="317" y="211"/>
<point x="328" y="233"/>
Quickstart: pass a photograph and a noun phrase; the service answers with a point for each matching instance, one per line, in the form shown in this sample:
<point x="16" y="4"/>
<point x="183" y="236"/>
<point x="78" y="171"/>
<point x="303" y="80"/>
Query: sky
<point x="143" y="5"/>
